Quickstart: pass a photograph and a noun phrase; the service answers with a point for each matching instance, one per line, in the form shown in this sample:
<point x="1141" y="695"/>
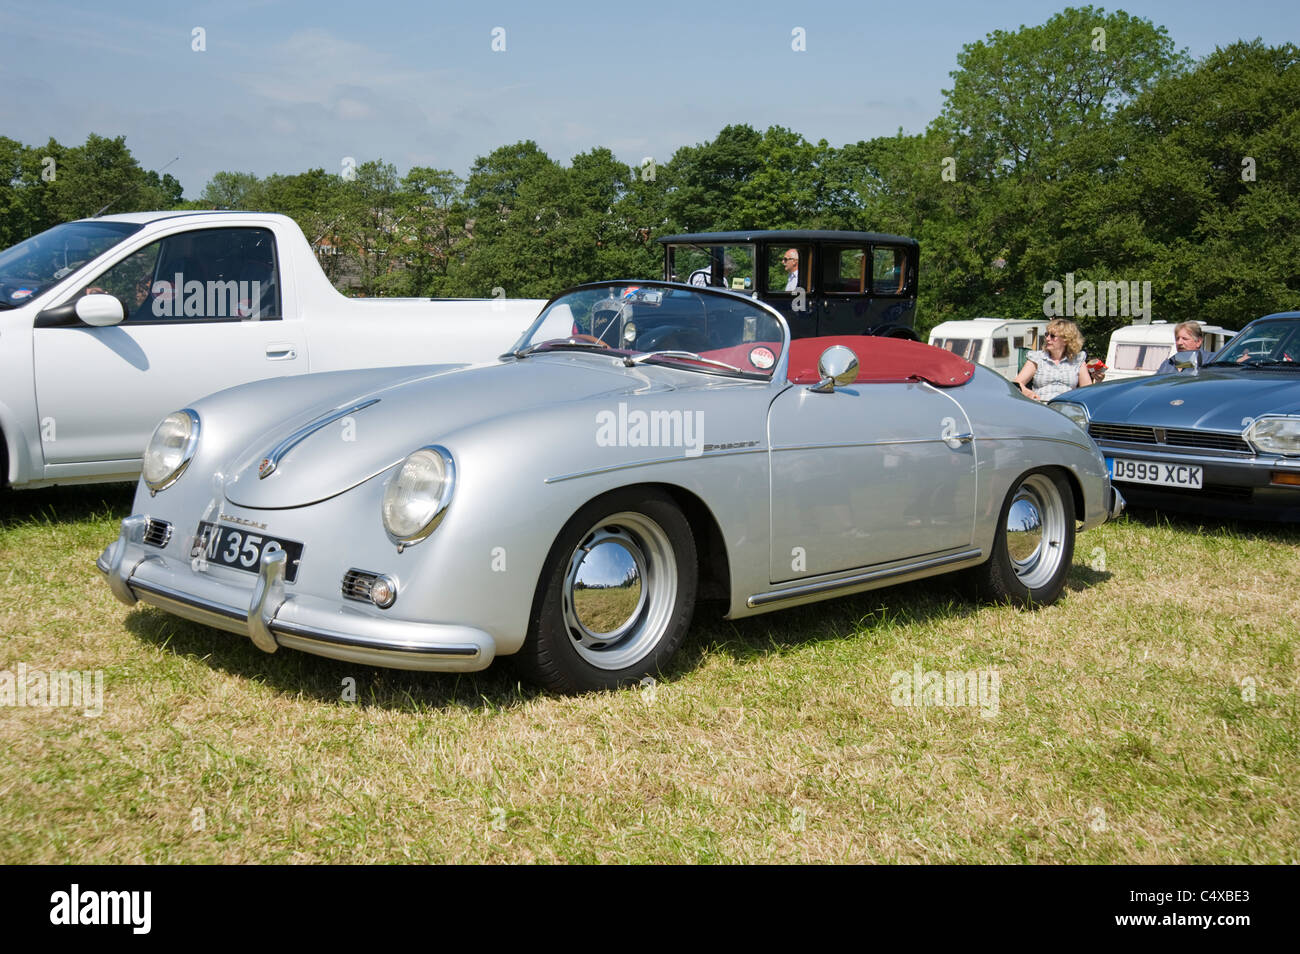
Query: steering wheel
<point x="592" y="338"/>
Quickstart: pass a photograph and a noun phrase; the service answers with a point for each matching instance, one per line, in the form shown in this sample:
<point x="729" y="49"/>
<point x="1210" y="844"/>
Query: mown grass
<point x="1122" y="731"/>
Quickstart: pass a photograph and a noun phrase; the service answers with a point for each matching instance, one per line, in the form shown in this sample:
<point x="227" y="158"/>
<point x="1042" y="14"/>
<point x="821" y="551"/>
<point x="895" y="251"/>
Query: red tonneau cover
<point x="882" y="360"/>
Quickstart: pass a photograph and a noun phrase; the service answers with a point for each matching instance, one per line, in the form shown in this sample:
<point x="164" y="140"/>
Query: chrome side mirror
<point x="837" y="367"/>
<point x="1186" y="360"/>
<point x="100" y="311"/>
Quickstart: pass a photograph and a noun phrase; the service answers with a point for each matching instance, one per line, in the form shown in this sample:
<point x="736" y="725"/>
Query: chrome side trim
<point x="829" y="586"/>
<point x="276" y="454"/>
<point x="833" y="444"/>
<point x="650" y="463"/>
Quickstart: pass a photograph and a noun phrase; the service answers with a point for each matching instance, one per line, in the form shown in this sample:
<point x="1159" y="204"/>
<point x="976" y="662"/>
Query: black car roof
<point x="793" y="236"/>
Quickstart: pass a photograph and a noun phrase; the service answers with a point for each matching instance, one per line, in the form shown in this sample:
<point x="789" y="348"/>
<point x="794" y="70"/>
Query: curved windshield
<point x="662" y="323"/>
<point x="1274" y="343"/>
<point x="32" y="266"/>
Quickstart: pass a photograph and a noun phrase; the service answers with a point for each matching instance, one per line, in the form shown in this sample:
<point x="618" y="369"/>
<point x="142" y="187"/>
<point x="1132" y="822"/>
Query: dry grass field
<point x="1151" y="716"/>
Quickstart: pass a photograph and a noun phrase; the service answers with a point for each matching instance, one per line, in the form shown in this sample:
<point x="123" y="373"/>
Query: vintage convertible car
<point x="642" y="445"/>
<point x="1222" y="439"/>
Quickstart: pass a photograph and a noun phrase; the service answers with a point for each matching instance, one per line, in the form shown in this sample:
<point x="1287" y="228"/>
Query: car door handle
<point x="281" y="351"/>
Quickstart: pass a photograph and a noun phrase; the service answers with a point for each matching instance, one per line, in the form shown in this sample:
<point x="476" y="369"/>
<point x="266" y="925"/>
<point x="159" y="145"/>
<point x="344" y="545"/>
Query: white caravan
<point x="1138" y="350"/>
<point x="997" y="343"/>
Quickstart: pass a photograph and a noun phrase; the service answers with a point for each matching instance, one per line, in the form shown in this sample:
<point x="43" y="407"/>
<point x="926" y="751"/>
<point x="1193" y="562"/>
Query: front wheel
<point x="616" y="594"/>
<point x="1034" y="547"/>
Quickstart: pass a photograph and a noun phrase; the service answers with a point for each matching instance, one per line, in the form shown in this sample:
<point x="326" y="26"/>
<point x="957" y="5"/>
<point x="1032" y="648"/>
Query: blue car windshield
<point x="30" y="267"/>
<point x="657" y="322"/>
<point x="1274" y="342"/>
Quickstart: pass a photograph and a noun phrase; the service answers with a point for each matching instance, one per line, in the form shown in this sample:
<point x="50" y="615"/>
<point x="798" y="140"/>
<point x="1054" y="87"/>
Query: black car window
<point x="888" y="270"/>
<point x="844" y="269"/>
<point x="787" y="268"/>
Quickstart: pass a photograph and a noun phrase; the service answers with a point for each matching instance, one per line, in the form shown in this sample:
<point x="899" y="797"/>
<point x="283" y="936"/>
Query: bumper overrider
<point x="272" y="617"/>
<point x="1117" y="503"/>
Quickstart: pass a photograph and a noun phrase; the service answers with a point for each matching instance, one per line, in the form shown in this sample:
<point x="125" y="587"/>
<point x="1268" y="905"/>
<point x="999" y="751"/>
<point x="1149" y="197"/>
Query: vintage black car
<point x="823" y="282"/>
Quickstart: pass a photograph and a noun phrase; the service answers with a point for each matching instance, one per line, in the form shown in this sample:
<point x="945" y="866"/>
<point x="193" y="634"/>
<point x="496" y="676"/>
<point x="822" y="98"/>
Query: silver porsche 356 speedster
<point x="641" y="446"/>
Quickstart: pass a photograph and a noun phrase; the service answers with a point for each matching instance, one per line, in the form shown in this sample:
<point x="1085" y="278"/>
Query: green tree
<point x="434" y="226"/>
<point x="1028" y="119"/>
<point x="1199" y="191"/>
<point x="230" y="190"/>
<point x="1017" y="97"/>
<point x="102" y="174"/>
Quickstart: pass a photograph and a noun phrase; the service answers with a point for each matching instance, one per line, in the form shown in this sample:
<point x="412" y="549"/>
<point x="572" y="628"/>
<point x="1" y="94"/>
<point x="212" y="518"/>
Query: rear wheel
<point x="1034" y="547"/>
<point x="616" y="594"/>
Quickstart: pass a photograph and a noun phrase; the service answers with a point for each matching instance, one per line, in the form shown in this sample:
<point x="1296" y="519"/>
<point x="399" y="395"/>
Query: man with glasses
<point x="790" y="262"/>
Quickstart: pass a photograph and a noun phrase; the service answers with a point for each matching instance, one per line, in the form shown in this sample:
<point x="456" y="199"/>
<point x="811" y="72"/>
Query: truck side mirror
<point x="100" y="311"/>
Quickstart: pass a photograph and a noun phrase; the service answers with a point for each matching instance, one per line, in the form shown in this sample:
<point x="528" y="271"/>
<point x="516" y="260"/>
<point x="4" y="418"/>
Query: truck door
<point x="203" y="313"/>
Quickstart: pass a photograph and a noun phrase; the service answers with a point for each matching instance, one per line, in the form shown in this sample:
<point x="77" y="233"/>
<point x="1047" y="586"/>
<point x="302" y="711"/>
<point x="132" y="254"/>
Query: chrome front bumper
<point x="272" y="617"/>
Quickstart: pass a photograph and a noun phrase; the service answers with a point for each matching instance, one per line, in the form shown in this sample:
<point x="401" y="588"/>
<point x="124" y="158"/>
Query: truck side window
<point x="217" y="274"/>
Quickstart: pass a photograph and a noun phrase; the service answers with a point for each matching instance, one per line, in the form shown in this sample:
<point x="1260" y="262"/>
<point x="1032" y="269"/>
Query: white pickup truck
<point x="108" y="324"/>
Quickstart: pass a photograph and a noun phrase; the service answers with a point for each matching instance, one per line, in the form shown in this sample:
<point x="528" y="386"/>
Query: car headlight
<point x="170" y="449"/>
<point x="417" y="497"/>
<point x="1075" y="412"/>
<point x="1275" y="435"/>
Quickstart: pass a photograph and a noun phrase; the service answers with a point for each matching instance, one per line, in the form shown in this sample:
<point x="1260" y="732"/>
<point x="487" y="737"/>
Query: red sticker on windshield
<point x="762" y="358"/>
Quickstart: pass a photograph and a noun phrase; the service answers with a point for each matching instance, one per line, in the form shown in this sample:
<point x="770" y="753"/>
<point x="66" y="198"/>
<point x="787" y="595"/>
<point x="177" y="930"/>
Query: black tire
<point x="1034" y="547"/>
<point x="643" y="534"/>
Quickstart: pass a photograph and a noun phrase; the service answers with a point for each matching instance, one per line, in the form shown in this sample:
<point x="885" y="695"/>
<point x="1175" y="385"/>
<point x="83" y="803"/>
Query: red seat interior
<point x="882" y="360"/>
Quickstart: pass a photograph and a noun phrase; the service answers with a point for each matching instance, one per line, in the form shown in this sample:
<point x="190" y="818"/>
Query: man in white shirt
<point x="790" y="262"/>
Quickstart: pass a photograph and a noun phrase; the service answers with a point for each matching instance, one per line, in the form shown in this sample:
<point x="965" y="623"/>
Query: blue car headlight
<point x="1075" y="412"/>
<point x="170" y="449"/>
<point x="416" y="499"/>
<point x="1275" y="435"/>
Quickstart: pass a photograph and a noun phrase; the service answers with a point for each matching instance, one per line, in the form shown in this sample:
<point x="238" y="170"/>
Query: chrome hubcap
<point x="619" y="591"/>
<point x="1035" y="531"/>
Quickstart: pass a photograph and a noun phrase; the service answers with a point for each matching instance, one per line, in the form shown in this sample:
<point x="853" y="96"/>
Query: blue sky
<point x="287" y="86"/>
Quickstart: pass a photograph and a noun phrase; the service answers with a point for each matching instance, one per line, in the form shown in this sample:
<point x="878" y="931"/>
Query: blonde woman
<point x="1061" y="366"/>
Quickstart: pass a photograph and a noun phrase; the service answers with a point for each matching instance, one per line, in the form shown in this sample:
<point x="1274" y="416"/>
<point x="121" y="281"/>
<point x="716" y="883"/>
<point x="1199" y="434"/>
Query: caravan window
<point x="968" y="348"/>
<point x="1136" y="357"/>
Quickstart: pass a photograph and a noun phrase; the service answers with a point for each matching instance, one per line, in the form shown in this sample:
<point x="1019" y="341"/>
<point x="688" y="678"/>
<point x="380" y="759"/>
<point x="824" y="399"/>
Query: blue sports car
<point x="1223" y="438"/>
